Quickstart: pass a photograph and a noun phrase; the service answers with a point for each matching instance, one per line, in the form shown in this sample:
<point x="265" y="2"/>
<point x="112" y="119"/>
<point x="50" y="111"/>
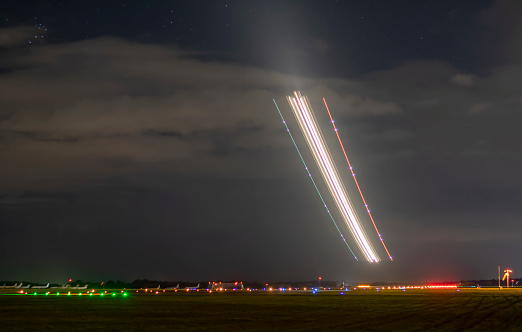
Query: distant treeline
<point x="146" y="283"/>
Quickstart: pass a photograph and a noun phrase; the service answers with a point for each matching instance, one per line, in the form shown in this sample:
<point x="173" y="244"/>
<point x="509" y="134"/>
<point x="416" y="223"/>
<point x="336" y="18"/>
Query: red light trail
<point x="355" y="179"/>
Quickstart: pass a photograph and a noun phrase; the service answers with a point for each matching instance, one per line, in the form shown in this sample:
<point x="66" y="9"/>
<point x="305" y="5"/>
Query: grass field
<point x="411" y="310"/>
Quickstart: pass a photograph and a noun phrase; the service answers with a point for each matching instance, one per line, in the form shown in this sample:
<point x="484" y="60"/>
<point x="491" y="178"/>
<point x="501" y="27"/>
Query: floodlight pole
<point x="499" y="277"/>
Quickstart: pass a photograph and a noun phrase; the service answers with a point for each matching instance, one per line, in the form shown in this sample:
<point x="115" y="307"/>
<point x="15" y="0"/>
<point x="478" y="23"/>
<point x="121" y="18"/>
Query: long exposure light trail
<point x="311" y="178"/>
<point x="355" y="179"/>
<point x="314" y="138"/>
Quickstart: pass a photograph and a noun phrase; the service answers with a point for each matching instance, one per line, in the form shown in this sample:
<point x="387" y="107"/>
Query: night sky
<point x="139" y="139"/>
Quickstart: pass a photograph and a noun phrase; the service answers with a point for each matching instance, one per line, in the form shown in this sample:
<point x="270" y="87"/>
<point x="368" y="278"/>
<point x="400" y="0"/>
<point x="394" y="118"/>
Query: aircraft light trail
<point x="305" y="117"/>
<point x="311" y="178"/>
<point x="355" y="179"/>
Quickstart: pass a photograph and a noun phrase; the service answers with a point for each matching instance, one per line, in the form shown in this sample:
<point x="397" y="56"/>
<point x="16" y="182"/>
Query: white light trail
<point x="312" y="179"/>
<point x="314" y="138"/>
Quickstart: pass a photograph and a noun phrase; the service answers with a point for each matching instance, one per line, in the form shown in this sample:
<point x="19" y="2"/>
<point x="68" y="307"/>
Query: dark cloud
<point x="88" y="102"/>
<point x="15" y="36"/>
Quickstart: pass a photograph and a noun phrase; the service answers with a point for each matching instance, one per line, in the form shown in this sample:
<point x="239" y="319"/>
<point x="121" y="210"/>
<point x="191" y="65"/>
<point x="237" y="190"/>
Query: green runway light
<point x="113" y="294"/>
<point x="102" y="294"/>
<point x="57" y="294"/>
<point x="124" y="294"/>
<point x="90" y="294"/>
<point x="69" y="293"/>
<point x="79" y="294"/>
<point x="35" y="294"/>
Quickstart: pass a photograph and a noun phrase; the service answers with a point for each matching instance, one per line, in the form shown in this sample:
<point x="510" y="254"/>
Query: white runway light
<point x="305" y="117"/>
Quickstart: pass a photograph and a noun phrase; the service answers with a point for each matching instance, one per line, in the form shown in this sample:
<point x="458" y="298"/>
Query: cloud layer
<point x="76" y="107"/>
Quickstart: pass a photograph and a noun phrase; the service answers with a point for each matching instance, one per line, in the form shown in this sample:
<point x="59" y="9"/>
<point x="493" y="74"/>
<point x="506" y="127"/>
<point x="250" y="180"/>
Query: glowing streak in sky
<point x="355" y="179"/>
<point x="311" y="178"/>
<point x="310" y="129"/>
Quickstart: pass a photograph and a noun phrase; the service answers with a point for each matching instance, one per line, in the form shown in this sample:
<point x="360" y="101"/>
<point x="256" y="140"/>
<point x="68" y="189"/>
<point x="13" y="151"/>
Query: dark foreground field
<point x="412" y="310"/>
